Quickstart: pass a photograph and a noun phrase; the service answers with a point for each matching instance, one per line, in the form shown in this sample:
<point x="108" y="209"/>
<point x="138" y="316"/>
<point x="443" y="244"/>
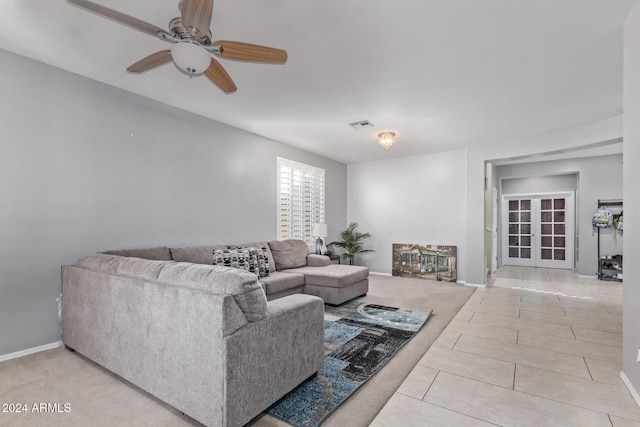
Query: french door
<point x="538" y="230"/>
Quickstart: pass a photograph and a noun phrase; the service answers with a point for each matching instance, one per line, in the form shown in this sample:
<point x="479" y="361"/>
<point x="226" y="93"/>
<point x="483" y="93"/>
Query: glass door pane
<point x="552" y="229"/>
<point x="520" y="237"/>
<point x="538" y="231"/>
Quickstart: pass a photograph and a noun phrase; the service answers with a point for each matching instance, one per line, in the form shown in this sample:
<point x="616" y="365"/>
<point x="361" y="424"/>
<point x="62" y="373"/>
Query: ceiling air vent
<point x="361" y="124"/>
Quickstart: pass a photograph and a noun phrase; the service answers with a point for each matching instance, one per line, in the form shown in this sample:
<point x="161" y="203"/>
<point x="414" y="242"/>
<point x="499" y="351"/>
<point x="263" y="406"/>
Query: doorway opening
<point x="539" y="230"/>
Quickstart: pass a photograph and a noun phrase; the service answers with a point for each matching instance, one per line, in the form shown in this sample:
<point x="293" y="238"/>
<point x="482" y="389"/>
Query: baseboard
<point x="459" y="282"/>
<point x="30" y="351"/>
<point x="630" y="387"/>
<point x="587" y="276"/>
<point x="475" y="285"/>
<point x="379" y="274"/>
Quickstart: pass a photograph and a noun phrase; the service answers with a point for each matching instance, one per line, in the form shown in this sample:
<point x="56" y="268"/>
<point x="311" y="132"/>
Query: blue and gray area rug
<point x="359" y="340"/>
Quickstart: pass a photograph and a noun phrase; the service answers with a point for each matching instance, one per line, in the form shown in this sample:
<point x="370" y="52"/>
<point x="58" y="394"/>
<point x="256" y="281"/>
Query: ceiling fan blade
<point x="250" y="52"/>
<point x="196" y="15"/>
<point x="219" y="76"/>
<point x="120" y="17"/>
<point x="152" y="61"/>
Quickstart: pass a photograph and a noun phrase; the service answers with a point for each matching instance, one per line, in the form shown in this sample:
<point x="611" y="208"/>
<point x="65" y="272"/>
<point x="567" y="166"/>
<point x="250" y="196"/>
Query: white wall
<point x="598" y="178"/>
<point x="87" y="167"/>
<point x="631" y="307"/>
<point x="419" y="199"/>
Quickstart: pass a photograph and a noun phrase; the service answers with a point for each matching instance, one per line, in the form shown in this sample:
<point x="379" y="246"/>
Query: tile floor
<point x="540" y="347"/>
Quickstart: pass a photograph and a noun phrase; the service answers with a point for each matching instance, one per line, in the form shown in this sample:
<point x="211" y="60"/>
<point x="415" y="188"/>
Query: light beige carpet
<point x="95" y="397"/>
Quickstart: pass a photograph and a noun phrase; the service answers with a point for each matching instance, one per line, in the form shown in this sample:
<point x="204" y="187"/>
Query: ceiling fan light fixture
<point x="190" y="34"/>
<point x="190" y="58"/>
<point x="386" y="140"/>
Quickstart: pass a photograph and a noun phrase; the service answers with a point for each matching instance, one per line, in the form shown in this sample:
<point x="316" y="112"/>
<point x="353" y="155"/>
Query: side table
<point x="336" y="258"/>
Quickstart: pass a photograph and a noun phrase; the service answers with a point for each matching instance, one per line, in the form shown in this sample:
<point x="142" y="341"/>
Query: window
<point x="300" y="199"/>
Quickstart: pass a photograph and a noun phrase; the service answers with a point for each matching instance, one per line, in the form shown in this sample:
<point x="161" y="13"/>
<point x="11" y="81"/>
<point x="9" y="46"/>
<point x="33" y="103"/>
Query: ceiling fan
<point x="192" y="45"/>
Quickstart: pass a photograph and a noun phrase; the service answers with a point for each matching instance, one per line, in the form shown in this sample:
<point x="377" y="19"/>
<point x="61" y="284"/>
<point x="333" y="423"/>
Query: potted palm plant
<point x="352" y="242"/>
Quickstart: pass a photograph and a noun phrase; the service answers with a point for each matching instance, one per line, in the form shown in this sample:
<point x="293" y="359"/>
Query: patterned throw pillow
<point x="253" y="260"/>
<point x="263" y="262"/>
<point x="235" y="258"/>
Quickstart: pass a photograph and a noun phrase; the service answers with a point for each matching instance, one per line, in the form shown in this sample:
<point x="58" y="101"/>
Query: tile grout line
<point x="587" y="365"/>
<point x="457" y="339"/>
<point x="572" y="404"/>
<point x="521" y="363"/>
<point x="462" y="413"/>
<point x="548" y="398"/>
<point x="545" y="349"/>
<point x="596" y="357"/>
<point x="430" y="385"/>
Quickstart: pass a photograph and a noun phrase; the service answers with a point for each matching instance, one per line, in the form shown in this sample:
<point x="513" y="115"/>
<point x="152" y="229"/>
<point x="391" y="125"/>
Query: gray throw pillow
<point x="289" y="253"/>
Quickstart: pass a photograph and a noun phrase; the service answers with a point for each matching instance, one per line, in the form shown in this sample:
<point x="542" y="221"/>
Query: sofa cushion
<point x="314" y="260"/>
<point x="265" y="245"/>
<point x="332" y="275"/>
<point x="160" y="253"/>
<point x="101" y="262"/>
<point x="126" y="266"/>
<point x="195" y="254"/>
<point x="289" y="253"/>
<point x="135" y="267"/>
<point x="279" y="282"/>
<point x="242" y="285"/>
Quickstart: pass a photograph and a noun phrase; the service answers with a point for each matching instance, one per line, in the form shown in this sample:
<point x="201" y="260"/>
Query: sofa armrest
<point x="166" y="339"/>
<point x="315" y="260"/>
<point x="267" y="359"/>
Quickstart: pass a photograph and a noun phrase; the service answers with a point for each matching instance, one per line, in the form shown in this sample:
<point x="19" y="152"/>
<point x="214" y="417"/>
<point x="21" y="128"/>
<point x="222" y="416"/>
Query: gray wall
<point x="490" y="179"/>
<point x="600" y="133"/>
<point x="631" y="147"/>
<point x="87" y="167"/>
<point x="598" y="178"/>
<point x="539" y="184"/>
<point x="418" y="199"/>
<point x="424" y="199"/>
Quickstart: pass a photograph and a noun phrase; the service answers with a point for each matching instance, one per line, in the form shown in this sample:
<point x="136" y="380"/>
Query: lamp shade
<point x="319" y="230"/>
<point x="190" y="58"/>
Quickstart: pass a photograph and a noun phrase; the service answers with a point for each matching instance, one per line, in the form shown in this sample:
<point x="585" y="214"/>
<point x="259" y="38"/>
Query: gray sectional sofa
<point x="217" y="343"/>
<point x="292" y="269"/>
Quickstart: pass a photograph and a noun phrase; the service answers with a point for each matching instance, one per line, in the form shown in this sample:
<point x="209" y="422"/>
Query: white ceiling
<point x="443" y="74"/>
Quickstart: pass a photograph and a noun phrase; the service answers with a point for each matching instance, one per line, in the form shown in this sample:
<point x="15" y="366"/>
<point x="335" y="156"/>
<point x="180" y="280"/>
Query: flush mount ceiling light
<point x="386" y="140"/>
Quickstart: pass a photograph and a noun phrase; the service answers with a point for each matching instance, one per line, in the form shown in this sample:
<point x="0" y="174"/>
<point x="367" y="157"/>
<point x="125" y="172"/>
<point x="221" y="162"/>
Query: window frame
<point x="303" y="203"/>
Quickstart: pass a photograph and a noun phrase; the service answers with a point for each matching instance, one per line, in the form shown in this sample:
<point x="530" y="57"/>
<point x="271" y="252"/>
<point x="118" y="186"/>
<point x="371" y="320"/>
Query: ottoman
<point x="335" y="284"/>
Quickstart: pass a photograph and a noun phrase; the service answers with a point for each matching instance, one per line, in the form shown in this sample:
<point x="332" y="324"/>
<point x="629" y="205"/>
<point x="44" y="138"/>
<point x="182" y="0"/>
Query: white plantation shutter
<point x="300" y="199"/>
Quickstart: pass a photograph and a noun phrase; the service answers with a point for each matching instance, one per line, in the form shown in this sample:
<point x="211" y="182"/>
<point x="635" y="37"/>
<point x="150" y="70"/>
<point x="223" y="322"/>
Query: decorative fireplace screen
<point x="432" y="262"/>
